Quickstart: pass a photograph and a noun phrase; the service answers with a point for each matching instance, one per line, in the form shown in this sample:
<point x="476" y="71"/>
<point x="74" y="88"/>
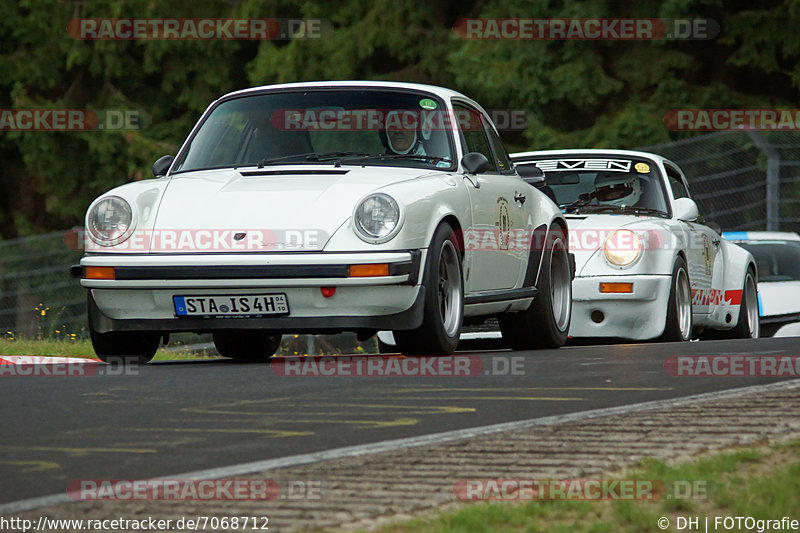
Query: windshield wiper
<point x="338" y="157"/>
<point x="432" y="158"/>
<point x="625" y="209"/>
<point x="313" y="156"/>
<point x="270" y="160"/>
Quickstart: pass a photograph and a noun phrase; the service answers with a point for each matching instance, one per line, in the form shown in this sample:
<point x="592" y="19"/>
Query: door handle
<point x="519" y="198"/>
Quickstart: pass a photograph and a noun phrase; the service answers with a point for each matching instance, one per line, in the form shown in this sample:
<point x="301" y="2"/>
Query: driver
<point x="617" y="189"/>
<point x="402" y="139"/>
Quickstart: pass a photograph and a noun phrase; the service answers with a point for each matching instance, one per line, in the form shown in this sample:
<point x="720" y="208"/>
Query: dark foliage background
<point x="575" y="93"/>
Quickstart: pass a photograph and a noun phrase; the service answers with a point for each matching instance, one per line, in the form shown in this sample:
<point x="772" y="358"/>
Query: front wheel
<point x="545" y="323"/>
<point x="678" y="326"/>
<point x="137" y="347"/>
<point x="252" y="346"/>
<point x="444" y="300"/>
<point x="124" y="346"/>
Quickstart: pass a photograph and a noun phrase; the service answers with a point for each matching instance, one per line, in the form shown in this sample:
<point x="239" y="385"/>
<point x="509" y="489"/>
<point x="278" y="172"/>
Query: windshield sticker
<point x="564" y="165"/>
<point x="642" y="168"/>
<point x="427" y="103"/>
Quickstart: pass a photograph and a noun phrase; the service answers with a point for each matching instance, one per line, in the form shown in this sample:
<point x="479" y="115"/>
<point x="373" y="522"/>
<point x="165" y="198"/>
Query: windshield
<point x="350" y="126"/>
<point x="605" y="185"/>
<point x="775" y="260"/>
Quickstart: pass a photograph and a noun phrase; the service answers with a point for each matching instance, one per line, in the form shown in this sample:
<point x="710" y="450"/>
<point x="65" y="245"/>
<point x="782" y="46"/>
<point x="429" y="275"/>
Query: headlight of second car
<point x="110" y="221"/>
<point x="622" y="248"/>
<point x="377" y="218"/>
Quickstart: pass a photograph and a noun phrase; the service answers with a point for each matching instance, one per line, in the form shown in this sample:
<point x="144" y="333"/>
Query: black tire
<point x="545" y="324"/>
<point x="747" y="327"/>
<point x="678" y="328"/>
<point x="443" y="311"/>
<point x="126" y="347"/>
<point x="252" y="346"/>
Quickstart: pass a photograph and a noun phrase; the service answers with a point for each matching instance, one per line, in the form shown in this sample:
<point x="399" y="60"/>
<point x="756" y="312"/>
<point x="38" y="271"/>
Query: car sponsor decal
<point x="564" y="165"/>
<point x="716" y="297"/>
<point x="642" y="168"/>
<point x="707" y="254"/>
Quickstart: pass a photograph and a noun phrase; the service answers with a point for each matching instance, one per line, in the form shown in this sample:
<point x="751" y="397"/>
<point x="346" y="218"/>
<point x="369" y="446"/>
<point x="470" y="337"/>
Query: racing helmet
<point x="617" y="188"/>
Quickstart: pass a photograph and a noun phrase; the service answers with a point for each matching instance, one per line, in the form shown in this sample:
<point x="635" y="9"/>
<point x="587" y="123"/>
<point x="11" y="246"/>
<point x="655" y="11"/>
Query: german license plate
<point x="239" y="305"/>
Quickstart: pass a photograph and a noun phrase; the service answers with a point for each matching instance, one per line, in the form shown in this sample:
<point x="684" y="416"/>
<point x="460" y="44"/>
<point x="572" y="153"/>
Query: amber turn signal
<point x="616" y="288"/>
<point x="364" y="271"/>
<point x="99" y="273"/>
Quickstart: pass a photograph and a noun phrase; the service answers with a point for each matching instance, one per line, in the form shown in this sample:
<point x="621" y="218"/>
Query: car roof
<point x="761" y="236"/>
<point x="585" y="152"/>
<point x="438" y="91"/>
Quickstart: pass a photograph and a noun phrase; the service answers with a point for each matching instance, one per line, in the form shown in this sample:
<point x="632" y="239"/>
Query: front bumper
<point x="638" y="315"/>
<point x="140" y="298"/>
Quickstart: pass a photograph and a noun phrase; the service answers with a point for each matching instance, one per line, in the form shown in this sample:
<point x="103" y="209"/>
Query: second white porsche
<point x="648" y="265"/>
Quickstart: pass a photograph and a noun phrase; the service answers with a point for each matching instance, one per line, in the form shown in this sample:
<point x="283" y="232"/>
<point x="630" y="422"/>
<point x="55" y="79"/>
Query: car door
<point x="492" y="261"/>
<point x="705" y="268"/>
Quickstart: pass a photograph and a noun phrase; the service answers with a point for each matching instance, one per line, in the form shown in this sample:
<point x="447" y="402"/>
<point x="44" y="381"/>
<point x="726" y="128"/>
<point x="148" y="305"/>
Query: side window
<point x="471" y="124"/>
<point x="500" y="153"/>
<point x="676" y="183"/>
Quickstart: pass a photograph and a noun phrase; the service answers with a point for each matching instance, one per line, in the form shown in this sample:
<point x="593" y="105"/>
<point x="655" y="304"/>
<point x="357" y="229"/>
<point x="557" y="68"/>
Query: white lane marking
<point x="410" y="442"/>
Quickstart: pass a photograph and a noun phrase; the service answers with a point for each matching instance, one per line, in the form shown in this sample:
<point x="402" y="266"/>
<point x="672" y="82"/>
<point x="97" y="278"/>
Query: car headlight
<point x="377" y="218"/>
<point x="622" y="247"/>
<point x="110" y="221"/>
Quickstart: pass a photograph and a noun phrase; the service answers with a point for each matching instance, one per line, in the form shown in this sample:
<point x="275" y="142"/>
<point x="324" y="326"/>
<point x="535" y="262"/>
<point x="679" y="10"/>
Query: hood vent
<point x="294" y="172"/>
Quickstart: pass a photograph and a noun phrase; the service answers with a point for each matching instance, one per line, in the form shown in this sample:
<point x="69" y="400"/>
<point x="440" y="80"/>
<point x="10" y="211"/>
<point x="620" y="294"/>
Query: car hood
<point x="779" y="297"/>
<point x="294" y="208"/>
<point x="588" y="233"/>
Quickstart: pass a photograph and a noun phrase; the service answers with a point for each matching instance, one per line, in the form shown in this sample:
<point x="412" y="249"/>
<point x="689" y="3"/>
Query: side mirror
<point x="685" y="209"/>
<point x="532" y="174"/>
<point x="162" y="164"/>
<point x="475" y="163"/>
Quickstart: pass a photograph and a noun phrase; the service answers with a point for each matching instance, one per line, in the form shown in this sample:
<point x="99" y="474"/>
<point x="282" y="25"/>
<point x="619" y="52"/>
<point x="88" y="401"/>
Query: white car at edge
<point x="777" y="255"/>
<point x="326" y="207"/>
<point x="647" y="265"/>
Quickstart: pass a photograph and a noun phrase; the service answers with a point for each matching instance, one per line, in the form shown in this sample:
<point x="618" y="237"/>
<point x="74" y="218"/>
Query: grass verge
<point x="762" y="483"/>
<point x="83" y="348"/>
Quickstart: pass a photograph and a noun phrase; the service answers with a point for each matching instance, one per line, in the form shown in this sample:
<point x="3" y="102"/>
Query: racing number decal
<point x="502" y="221"/>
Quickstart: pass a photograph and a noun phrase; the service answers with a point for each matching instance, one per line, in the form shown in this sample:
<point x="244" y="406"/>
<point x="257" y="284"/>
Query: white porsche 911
<point x="327" y="207"/>
<point x="648" y="266"/>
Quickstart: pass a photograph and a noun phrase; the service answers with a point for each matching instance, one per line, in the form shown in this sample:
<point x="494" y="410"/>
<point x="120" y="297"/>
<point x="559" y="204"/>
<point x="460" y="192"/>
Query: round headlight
<point x="622" y="247"/>
<point x="377" y="218"/>
<point x="109" y="221"/>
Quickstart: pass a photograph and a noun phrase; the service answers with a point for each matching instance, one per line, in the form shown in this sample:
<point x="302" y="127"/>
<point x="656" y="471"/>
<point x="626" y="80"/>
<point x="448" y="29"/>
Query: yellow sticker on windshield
<point x="642" y="168"/>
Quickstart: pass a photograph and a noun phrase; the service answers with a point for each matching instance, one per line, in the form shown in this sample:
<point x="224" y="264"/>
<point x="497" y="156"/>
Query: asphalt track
<point x="173" y="417"/>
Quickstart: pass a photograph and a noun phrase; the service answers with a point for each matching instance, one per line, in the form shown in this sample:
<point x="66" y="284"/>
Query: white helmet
<point x="615" y="188"/>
